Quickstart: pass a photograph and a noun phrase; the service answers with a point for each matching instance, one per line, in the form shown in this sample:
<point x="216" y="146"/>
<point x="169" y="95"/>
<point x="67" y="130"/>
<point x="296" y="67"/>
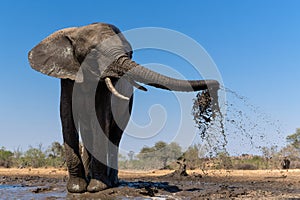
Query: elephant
<point x="98" y="76"/>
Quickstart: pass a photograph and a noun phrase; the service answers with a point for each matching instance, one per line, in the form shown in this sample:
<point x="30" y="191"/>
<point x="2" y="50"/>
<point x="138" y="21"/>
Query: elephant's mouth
<point x="133" y="73"/>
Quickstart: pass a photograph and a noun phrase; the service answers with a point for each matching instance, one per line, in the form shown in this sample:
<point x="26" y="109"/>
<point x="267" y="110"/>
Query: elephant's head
<point x="63" y="53"/>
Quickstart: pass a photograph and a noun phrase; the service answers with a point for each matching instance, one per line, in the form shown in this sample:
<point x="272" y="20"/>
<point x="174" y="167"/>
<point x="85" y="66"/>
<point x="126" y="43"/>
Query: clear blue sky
<point x="255" y="45"/>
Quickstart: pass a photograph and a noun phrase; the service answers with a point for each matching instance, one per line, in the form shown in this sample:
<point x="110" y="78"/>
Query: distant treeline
<point x="34" y="157"/>
<point x="169" y="156"/>
<point x="164" y="156"/>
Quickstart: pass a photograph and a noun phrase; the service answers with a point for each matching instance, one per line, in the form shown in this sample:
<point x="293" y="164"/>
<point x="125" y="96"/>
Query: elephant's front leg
<point x="112" y="117"/>
<point x="104" y="159"/>
<point x="97" y="147"/>
<point x="94" y="133"/>
<point x="120" y="111"/>
<point x="77" y="180"/>
<point x="113" y="152"/>
<point x="103" y="171"/>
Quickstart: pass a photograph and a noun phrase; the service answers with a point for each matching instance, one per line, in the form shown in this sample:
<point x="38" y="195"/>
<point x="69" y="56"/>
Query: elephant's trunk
<point x="141" y="74"/>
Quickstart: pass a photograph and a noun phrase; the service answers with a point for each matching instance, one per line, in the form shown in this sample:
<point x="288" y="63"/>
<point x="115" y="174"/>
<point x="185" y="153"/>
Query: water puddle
<point x="27" y="192"/>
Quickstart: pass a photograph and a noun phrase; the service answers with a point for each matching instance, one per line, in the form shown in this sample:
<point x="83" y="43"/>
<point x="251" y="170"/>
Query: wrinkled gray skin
<point x="83" y="57"/>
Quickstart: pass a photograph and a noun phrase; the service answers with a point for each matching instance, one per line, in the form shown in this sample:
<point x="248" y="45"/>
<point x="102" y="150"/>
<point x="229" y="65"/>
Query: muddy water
<point x="32" y="187"/>
<point x="235" y="125"/>
<point x="30" y="192"/>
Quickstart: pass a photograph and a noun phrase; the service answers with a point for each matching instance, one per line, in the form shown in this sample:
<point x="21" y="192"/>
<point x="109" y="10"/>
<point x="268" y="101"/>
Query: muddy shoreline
<point x="219" y="184"/>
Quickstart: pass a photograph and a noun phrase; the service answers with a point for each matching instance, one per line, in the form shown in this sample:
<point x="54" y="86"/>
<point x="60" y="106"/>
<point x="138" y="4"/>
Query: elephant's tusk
<point x="113" y="89"/>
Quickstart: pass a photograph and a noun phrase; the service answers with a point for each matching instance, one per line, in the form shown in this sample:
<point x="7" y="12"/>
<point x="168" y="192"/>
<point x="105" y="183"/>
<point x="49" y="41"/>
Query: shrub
<point x="5" y="158"/>
<point x="246" y="166"/>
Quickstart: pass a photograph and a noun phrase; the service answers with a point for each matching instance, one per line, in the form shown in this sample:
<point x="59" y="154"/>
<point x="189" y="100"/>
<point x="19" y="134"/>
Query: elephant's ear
<point x="54" y="56"/>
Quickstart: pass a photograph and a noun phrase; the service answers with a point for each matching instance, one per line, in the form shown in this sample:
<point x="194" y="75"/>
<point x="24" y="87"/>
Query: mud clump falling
<point x="208" y="117"/>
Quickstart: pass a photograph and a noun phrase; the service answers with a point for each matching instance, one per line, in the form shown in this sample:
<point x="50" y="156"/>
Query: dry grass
<point x="43" y="172"/>
<point x="242" y="174"/>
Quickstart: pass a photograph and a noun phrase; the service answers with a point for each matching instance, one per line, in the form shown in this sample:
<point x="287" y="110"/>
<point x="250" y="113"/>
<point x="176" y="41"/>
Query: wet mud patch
<point x="151" y="187"/>
<point x="134" y="189"/>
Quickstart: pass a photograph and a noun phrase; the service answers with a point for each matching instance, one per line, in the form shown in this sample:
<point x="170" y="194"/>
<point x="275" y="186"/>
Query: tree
<point x="55" y="155"/>
<point x="294" y="139"/>
<point x="269" y="152"/>
<point x="130" y="155"/>
<point x="5" y="157"/>
<point x="18" y="159"/>
<point x="159" y="155"/>
<point x="34" y="157"/>
<point x="270" y="156"/>
<point x="175" y="151"/>
<point x="290" y="151"/>
<point x="146" y="153"/>
<point x="160" y="145"/>
<point x="167" y="152"/>
<point x="146" y="149"/>
<point x="192" y="157"/>
<point x="224" y="160"/>
<point x="55" y="150"/>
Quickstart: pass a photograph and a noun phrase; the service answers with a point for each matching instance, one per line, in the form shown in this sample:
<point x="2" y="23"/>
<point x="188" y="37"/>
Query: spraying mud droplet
<point x="240" y="125"/>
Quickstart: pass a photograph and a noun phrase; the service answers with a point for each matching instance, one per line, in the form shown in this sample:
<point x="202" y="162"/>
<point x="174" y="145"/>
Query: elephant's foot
<point x="96" y="186"/>
<point x="76" y="185"/>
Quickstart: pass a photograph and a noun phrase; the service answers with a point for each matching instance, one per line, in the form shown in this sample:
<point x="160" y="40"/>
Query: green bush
<point x="6" y="158"/>
<point x="34" y="157"/>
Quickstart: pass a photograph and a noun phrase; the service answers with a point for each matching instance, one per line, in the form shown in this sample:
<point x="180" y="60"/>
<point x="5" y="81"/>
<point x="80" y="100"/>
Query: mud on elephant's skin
<point x="96" y="60"/>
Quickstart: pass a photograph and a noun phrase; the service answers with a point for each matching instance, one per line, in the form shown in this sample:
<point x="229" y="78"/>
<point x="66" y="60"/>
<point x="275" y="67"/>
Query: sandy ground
<point x="213" y="184"/>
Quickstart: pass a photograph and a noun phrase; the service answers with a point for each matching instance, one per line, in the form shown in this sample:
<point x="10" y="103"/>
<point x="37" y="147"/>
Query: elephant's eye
<point x="129" y="54"/>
